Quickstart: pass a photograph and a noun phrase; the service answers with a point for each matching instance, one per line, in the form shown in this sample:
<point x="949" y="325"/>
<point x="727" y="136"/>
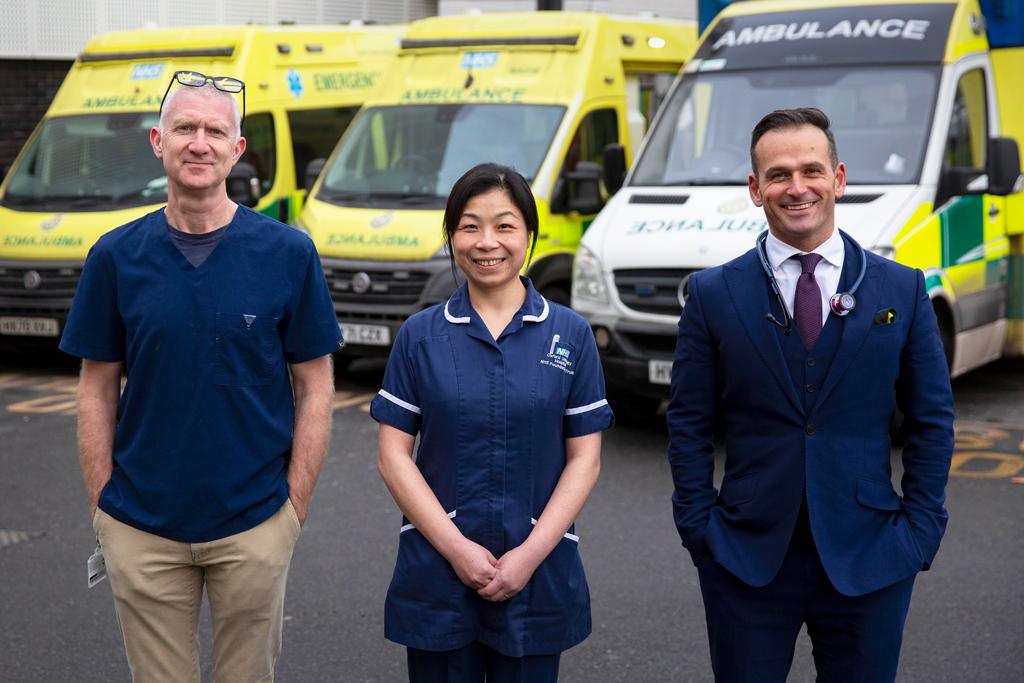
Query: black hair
<point x="793" y="118"/>
<point x="479" y="180"/>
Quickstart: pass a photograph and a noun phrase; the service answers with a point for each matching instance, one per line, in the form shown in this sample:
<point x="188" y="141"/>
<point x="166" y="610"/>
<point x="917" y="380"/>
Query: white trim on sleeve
<point x="587" y="408"/>
<point x="572" y="537"/>
<point x="406" y="527"/>
<point x="399" y="402"/>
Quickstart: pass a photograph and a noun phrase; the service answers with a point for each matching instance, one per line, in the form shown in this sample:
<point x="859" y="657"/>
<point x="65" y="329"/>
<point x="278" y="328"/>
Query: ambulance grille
<point x="47" y="283"/>
<point x="650" y="290"/>
<point x="386" y="287"/>
<point x="857" y="198"/>
<point x="659" y="199"/>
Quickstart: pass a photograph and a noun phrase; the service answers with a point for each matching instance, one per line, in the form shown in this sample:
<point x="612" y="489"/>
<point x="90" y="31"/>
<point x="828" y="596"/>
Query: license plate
<point x="30" y="327"/>
<point x="659" y="371"/>
<point x="371" y="335"/>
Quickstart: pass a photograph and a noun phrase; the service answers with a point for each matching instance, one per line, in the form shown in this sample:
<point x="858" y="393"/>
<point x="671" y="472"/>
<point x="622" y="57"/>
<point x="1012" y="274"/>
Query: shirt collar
<point x="831" y="250"/>
<point x="459" y="311"/>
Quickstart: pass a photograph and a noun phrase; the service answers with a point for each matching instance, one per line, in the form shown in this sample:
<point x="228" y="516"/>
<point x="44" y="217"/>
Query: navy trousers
<point x="752" y="631"/>
<point x="477" y="663"/>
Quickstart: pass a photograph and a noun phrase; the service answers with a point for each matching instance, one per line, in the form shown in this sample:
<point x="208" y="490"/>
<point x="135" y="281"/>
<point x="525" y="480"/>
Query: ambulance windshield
<point x="410" y="156"/>
<point x="880" y="117"/>
<point x="89" y="163"/>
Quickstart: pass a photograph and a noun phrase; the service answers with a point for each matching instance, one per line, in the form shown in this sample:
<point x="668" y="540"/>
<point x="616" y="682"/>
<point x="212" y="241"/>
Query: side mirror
<point x="614" y="161"/>
<point x="313" y="169"/>
<point x="1003" y="166"/>
<point x="584" y="186"/>
<point x="243" y="185"/>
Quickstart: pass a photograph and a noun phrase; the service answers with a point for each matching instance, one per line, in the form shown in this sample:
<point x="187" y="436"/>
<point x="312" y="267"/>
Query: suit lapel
<point x="855" y="326"/>
<point x="747" y="284"/>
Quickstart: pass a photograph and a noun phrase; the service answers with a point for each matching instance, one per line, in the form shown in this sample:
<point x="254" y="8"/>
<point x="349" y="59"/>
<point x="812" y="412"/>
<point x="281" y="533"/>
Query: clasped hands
<point x="493" y="579"/>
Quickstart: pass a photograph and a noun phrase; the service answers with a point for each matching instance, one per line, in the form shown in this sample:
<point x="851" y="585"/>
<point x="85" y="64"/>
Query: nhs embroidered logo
<point x="560" y="355"/>
<point x="563" y="351"/>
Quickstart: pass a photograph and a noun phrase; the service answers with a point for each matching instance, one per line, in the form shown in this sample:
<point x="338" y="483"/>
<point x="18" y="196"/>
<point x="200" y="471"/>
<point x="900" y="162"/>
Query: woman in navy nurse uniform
<point x="506" y="393"/>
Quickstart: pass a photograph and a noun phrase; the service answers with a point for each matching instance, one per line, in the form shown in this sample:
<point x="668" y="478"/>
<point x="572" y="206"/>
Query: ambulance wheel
<point x="341" y="363"/>
<point x="556" y="293"/>
<point x="634" y="410"/>
<point x="945" y="321"/>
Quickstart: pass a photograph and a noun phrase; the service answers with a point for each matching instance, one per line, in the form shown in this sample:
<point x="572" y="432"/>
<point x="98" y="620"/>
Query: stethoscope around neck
<point x="841" y="303"/>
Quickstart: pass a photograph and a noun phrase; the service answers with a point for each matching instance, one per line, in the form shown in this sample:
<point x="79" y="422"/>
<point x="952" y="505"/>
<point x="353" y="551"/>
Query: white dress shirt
<point x="787" y="270"/>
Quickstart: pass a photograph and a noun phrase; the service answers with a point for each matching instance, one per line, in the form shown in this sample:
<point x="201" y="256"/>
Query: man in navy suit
<point x="807" y="528"/>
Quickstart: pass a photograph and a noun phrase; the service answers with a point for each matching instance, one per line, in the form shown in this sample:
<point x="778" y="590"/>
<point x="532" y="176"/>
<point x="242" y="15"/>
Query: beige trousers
<point x="158" y="589"/>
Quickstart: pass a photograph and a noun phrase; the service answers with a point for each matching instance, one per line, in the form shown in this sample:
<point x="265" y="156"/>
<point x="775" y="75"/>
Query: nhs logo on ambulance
<point x="146" y="72"/>
<point x="560" y="355"/>
<point x="479" y="60"/>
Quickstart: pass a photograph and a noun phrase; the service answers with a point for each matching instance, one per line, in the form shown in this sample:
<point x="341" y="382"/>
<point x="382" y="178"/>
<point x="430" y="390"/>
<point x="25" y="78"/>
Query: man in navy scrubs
<point x="807" y="528"/>
<point x="201" y="471"/>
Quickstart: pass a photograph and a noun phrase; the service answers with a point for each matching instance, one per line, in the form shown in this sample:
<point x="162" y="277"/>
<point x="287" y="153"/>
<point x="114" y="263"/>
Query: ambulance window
<point x="315" y="132"/>
<point x="599" y="129"/>
<point x="259" y="148"/>
<point x="968" y="125"/>
<point x="653" y="88"/>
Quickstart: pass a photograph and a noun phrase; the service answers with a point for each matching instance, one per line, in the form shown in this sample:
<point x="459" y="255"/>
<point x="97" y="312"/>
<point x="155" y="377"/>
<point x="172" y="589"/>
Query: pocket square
<point x="886" y="316"/>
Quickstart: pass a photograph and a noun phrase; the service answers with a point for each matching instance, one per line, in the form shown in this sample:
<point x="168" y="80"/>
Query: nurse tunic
<point x="492" y="417"/>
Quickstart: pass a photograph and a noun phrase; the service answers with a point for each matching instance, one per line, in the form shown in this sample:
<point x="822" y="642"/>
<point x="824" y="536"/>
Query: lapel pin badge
<point x="886" y="316"/>
<point x="249" y="320"/>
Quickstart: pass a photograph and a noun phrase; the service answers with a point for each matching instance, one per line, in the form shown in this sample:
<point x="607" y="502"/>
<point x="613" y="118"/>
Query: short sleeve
<point x="94" y="329"/>
<point x="312" y="329"/>
<point x="397" y="403"/>
<point x="587" y="410"/>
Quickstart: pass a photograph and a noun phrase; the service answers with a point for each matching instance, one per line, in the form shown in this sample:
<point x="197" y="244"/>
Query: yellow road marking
<point x="1005" y="465"/>
<point x="975" y="453"/>
<point x="346" y="399"/>
<point x="15" y="379"/>
<point x="51" y="404"/>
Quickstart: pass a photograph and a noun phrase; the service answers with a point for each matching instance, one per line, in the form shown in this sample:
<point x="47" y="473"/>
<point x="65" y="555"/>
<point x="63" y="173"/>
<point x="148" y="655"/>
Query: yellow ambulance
<point x="562" y="97"/>
<point x="928" y="117"/>
<point x="88" y="167"/>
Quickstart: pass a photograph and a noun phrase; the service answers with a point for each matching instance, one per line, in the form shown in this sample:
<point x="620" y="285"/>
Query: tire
<point x="634" y="410"/>
<point x="945" y="333"/>
<point x="556" y="293"/>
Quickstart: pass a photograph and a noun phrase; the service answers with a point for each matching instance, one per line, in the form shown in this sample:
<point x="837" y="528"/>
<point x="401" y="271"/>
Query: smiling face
<point x="491" y="240"/>
<point x="797" y="185"/>
<point x="198" y="143"/>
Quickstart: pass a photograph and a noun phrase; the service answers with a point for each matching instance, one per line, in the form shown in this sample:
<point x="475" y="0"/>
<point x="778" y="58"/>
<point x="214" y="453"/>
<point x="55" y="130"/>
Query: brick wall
<point x="26" y="88"/>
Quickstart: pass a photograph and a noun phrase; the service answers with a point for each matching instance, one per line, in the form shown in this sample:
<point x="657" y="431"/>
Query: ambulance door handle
<point x="993" y="211"/>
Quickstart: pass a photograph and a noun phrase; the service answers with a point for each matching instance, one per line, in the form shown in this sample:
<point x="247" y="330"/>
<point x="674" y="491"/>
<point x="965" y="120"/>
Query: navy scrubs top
<point x="492" y="417"/>
<point x="204" y="424"/>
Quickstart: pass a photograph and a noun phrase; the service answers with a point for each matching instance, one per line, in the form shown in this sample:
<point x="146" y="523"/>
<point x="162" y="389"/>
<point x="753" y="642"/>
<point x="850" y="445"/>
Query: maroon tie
<point x="807" y="304"/>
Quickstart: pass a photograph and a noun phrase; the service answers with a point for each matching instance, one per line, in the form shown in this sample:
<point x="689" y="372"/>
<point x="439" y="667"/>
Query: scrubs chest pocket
<point x="247" y="348"/>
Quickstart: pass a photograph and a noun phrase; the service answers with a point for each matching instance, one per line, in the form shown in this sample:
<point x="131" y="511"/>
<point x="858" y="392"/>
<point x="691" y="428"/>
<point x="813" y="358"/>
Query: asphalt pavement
<point x="966" y="619"/>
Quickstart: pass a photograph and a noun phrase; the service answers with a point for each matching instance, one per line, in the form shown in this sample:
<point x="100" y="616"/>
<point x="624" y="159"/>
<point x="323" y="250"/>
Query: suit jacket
<point x="730" y="373"/>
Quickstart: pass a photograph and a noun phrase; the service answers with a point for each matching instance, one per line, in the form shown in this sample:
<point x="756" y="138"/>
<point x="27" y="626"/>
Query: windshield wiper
<point x="62" y="200"/>
<point x="140" y="195"/>
<point x="407" y="197"/>
<point x="342" y="195"/>
<point x="418" y="197"/>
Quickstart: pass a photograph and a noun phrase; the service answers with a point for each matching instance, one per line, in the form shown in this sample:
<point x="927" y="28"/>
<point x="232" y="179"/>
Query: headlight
<point x="886" y="251"/>
<point x="588" y="278"/>
<point x="441" y="253"/>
